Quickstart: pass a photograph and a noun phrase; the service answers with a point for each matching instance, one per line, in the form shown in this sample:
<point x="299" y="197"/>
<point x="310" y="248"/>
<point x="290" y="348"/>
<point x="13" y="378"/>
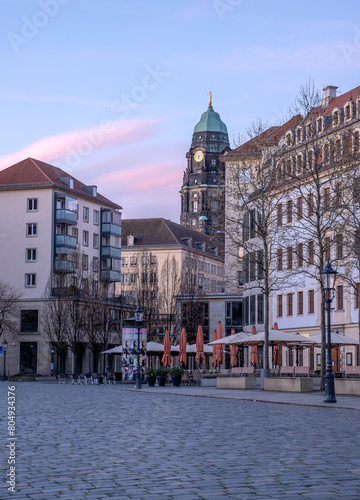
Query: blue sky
<point x="111" y="90"/>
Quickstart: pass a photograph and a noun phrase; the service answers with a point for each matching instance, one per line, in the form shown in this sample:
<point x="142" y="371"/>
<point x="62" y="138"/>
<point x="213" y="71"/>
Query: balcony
<point x="112" y="252"/>
<point x="108" y="228"/>
<point x="64" y="266"/>
<point x="66" y="216"/>
<point x="110" y="275"/>
<point x="65" y="240"/>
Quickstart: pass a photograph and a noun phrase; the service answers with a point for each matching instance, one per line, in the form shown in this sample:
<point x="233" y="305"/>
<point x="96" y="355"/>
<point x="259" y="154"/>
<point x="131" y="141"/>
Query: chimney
<point x="329" y="95"/>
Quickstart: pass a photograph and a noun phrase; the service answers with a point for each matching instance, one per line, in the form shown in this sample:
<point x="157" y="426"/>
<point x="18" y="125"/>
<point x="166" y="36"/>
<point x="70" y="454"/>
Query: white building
<point x="48" y="220"/>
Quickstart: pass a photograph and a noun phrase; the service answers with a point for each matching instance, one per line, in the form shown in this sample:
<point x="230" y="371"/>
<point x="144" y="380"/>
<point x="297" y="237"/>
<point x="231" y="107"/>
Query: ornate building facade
<point x="202" y="192"/>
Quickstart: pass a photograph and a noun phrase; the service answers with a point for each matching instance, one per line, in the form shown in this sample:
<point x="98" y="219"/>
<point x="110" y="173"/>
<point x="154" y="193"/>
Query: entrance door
<point x="28" y="357"/>
<point x="335" y="358"/>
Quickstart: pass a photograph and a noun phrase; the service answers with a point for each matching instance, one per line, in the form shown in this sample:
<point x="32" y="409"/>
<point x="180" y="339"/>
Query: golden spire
<point x="210" y="100"/>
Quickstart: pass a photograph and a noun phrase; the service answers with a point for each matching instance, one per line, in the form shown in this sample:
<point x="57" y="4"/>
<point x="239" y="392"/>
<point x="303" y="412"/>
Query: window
<point x="96" y="217"/>
<point x="357" y="296"/>
<point x="132" y="278"/>
<point x="30" y="280"/>
<point x="240" y="278"/>
<point x="311" y="252"/>
<point x="144" y="278"/>
<point x="31" y="229"/>
<point x="348" y="112"/>
<point x="299" y="164"/>
<point x="310" y="204"/>
<point x="288" y="167"/>
<point x="279" y="259"/>
<point x="194" y="206"/>
<point x="252" y="266"/>
<point x="29" y="320"/>
<point x="133" y="261"/>
<point x="300" y="302"/>
<point x="289" y="304"/>
<point x="339" y="297"/>
<point x="311" y="299"/>
<point x="327" y="248"/>
<point x="335" y="118"/>
<point x="30" y="255"/>
<point x="32" y="204"/>
<point x="279" y="306"/>
<point x="85" y="238"/>
<point x="153" y="278"/>
<point x="279" y="214"/>
<point x="252" y="309"/>
<point x="356" y="141"/>
<point x="124" y="278"/>
<point x="298" y="135"/>
<point x="289" y="258"/>
<point x="252" y="223"/>
<point x="339" y="246"/>
<point x="260" y="264"/>
<point x="75" y="233"/>
<point x="153" y="260"/>
<point x="193" y="222"/>
<point x="311" y="160"/>
<point x="289" y="210"/>
<point x="95" y="240"/>
<point x="85" y="261"/>
<point x="326" y="153"/>
<point x="338" y="149"/>
<point x="300" y="255"/>
<point x="299" y="208"/>
<point x="288" y="140"/>
<point x="320" y="125"/>
<point x="326" y="198"/>
<point x="144" y="261"/>
<point x="309" y="130"/>
<point x="260" y="308"/>
<point x="95" y="264"/>
<point x="124" y="261"/>
<point x="86" y="214"/>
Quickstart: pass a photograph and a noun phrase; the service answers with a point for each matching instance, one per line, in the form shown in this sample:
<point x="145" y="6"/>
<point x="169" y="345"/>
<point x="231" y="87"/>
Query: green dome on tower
<point x="210" y="121"/>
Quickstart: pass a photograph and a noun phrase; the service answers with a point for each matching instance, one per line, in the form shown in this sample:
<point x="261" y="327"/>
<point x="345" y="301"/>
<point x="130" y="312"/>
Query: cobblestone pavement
<point x="99" y="442"/>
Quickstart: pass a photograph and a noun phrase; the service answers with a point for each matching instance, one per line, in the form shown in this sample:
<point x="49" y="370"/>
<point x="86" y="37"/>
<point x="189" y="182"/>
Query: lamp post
<point x="4" y="345"/>
<point x="139" y="316"/>
<point x="328" y="276"/>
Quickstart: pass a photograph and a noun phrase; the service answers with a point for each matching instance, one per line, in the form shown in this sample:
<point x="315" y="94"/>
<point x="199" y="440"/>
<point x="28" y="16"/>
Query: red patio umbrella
<point x="220" y="347"/>
<point x="276" y="349"/>
<point x="166" y="359"/>
<point x="182" y="356"/>
<point x="200" y="356"/>
<point x="233" y="352"/>
<point x="253" y="356"/>
<point x="215" y="350"/>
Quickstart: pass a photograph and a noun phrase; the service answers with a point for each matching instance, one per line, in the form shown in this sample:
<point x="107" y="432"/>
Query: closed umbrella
<point x="215" y="350"/>
<point x="182" y="356"/>
<point x="253" y="355"/>
<point x="200" y="356"/>
<point x="276" y="349"/>
<point x="233" y="352"/>
<point x="220" y="347"/>
<point x="166" y="359"/>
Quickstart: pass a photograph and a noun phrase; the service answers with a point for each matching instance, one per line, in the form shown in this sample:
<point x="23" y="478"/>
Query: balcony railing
<point x="64" y="266"/>
<point x="110" y="275"/>
<point x="65" y="240"/>
<point x="112" y="252"/>
<point x="110" y="229"/>
<point x="66" y="216"/>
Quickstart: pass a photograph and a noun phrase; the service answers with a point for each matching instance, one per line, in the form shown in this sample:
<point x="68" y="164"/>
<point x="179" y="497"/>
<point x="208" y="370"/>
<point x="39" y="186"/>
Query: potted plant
<point x="176" y="374"/>
<point x="161" y="375"/>
<point x="151" y="377"/>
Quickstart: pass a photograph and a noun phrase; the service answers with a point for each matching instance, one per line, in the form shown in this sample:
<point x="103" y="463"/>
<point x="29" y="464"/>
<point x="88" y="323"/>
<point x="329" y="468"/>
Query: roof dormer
<point x="337" y="117"/>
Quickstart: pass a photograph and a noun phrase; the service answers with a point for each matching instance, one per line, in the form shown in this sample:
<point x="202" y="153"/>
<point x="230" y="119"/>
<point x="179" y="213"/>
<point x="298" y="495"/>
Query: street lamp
<point x="4" y="345"/>
<point x="328" y="276"/>
<point x="139" y="316"/>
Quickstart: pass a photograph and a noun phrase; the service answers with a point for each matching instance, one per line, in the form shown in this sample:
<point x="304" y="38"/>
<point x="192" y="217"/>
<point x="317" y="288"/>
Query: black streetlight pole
<point x="328" y="276"/>
<point x="139" y="316"/>
<point x="4" y="345"/>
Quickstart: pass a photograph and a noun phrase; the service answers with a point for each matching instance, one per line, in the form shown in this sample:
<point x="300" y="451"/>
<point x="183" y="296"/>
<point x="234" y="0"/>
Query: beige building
<point x="52" y="224"/>
<point x="161" y="260"/>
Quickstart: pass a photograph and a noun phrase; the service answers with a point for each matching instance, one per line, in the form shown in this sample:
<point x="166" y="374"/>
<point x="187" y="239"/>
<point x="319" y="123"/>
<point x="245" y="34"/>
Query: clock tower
<point x="202" y="192"/>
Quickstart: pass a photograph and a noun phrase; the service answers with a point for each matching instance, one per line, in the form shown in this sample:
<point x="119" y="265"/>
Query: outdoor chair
<point x="196" y="377"/>
<point x="89" y="379"/>
<point x="110" y="379"/>
<point x="61" y="378"/>
<point x="82" y="379"/>
<point x="185" y="380"/>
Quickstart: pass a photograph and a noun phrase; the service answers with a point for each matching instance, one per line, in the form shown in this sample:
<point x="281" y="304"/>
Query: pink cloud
<point x="72" y="148"/>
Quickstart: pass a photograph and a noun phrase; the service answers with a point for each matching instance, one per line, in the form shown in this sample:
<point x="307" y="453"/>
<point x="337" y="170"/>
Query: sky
<point x="110" y="90"/>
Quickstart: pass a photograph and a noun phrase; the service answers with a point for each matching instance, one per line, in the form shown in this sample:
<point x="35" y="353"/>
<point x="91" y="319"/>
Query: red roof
<point x="35" y="173"/>
<point x="336" y="102"/>
<point x="266" y="138"/>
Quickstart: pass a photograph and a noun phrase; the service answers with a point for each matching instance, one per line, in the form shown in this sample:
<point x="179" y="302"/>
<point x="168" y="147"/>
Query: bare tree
<point x="169" y="288"/>
<point x="9" y="308"/>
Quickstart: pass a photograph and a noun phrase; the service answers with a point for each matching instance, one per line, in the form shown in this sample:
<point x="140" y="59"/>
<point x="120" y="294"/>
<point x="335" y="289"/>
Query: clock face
<point x="199" y="155"/>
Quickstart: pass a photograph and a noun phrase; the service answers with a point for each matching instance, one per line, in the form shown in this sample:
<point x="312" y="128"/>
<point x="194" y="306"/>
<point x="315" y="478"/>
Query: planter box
<point x="347" y="386"/>
<point x="236" y="383"/>
<point x="208" y="382"/>
<point x="287" y="384"/>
